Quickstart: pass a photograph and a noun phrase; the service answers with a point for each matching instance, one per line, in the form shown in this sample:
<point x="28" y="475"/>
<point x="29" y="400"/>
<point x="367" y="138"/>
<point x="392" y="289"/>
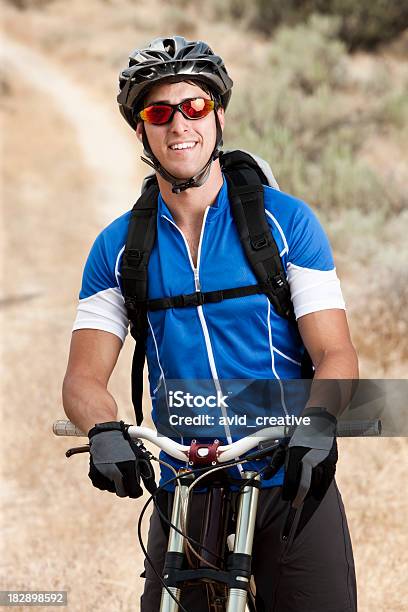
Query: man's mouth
<point x="178" y="146"/>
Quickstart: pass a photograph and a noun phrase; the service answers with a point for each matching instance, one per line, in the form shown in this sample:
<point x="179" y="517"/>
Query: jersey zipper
<point x="196" y="279"/>
<point x="201" y="317"/>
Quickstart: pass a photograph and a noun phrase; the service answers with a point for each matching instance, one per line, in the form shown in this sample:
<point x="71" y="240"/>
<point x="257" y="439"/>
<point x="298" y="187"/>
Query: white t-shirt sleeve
<point x="314" y="290"/>
<point x="104" y="310"/>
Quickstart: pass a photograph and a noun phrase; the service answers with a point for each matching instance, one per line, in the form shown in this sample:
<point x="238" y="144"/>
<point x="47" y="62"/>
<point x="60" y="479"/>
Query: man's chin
<point x="183" y="174"/>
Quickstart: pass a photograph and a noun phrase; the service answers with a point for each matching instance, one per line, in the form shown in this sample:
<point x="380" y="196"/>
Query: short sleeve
<point x="306" y="253"/>
<point x="311" y="271"/>
<point x="101" y="304"/>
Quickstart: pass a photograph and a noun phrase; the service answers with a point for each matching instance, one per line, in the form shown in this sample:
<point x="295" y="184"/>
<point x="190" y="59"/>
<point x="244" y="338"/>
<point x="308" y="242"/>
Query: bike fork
<point x="175" y="554"/>
<point x="244" y="536"/>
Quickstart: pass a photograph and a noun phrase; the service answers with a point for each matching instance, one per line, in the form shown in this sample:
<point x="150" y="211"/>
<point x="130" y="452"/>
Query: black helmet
<point x="174" y="59"/>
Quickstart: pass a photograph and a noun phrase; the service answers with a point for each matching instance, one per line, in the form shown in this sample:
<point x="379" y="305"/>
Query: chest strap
<point x="198" y="298"/>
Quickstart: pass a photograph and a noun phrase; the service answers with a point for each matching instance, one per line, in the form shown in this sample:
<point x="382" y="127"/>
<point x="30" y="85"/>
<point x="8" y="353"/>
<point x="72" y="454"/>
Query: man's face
<point x="182" y="163"/>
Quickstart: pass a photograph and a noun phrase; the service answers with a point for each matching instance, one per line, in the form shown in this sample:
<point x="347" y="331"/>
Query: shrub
<point x="312" y="57"/>
<point x="366" y="23"/>
<point x="383" y="317"/>
<point x="363" y="24"/>
<point x="28" y="4"/>
<point x="304" y="121"/>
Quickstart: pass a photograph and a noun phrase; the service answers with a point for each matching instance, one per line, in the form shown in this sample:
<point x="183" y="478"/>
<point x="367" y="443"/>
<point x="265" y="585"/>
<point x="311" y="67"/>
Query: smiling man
<point x="174" y="94"/>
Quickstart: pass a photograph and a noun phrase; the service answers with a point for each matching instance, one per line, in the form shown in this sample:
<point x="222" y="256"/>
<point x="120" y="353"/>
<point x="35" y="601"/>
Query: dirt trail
<point x="105" y="149"/>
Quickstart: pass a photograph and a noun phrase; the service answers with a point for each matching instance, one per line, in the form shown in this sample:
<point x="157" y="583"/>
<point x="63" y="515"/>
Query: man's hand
<point x="311" y="458"/>
<point x="117" y="463"/>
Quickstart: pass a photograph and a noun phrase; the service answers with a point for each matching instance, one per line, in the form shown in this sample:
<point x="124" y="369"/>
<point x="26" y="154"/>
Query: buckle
<point x="193" y="299"/>
<point x="134" y="305"/>
<point x="200" y="298"/>
<point x="130" y="303"/>
<point x="133" y="254"/>
<point x="259" y="242"/>
<point x="278" y="281"/>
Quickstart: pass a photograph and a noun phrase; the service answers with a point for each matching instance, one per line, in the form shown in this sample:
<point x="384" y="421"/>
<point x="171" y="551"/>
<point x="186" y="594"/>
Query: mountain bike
<point x="222" y="558"/>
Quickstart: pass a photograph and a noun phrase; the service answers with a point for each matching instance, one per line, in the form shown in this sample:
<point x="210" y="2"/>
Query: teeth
<point x="183" y="145"/>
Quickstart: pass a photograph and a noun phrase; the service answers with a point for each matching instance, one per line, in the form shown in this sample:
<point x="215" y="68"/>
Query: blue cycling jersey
<point x="240" y="338"/>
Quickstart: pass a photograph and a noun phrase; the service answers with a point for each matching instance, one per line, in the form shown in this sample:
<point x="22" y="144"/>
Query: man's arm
<point x="326" y="337"/>
<point x="93" y="356"/>
<point x="311" y="459"/>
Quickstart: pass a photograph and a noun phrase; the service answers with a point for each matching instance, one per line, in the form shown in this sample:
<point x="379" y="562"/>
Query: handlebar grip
<point x="77" y="450"/>
<point x="63" y="427"/>
<point x="353" y="429"/>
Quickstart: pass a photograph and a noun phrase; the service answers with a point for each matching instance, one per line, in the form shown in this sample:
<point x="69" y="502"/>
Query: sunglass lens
<point x="156" y="114"/>
<point x="197" y="108"/>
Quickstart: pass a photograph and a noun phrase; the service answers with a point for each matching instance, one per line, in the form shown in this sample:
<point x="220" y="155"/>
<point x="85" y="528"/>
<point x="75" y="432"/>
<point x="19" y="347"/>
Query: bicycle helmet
<point x="173" y="59"/>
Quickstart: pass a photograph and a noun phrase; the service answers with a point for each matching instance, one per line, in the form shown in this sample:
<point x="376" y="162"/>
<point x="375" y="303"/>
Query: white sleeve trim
<point x="286" y="356"/>
<point x="117" y="271"/>
<point x="280" y="230"/>
<point x="105" y="311"/>
<point x="162" y="377"/>
<point x="314" y="290"/>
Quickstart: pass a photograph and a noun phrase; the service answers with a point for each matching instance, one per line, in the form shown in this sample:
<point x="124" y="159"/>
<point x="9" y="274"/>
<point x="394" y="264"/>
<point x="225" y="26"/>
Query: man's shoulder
<point x="101" y="301"/>
<point x="106" y="250"/>
<point x="111" y="240"/>
<point x="285" y="205"/>
<point x="117" y="229"/>
<point x="297" y="230"/>
<point x="291" y="215"/>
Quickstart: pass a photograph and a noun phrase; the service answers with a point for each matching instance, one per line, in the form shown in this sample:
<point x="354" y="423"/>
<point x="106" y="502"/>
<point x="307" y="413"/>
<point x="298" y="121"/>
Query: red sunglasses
<point x="161" y="113"/>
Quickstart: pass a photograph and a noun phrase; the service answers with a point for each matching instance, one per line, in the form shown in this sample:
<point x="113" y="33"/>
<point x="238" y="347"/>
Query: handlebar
<point x="228" y="452"/>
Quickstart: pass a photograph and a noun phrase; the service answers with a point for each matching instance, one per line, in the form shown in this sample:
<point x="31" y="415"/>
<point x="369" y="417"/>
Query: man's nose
<point x="179" y="123"/>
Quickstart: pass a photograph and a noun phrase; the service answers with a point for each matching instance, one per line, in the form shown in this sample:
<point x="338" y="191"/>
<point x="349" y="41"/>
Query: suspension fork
<point x="175" y="555"/>
<point x="240" y="560"/>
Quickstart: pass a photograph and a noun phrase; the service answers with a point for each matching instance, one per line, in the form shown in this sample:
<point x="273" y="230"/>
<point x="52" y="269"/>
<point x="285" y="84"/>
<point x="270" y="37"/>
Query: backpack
<point x="246" y="175"/>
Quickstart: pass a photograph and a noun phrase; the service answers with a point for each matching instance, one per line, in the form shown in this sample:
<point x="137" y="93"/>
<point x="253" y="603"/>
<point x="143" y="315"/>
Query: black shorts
<point x="310" y="570"/>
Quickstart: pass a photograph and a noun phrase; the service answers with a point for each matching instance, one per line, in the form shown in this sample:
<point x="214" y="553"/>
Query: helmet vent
<point x="169" y="46"/>
<point x="146" y="73"/>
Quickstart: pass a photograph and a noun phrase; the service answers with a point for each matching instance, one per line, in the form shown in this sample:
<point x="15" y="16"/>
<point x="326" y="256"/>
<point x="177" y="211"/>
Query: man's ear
<point x="139" y="131"/>
<point x="221" y="116"/>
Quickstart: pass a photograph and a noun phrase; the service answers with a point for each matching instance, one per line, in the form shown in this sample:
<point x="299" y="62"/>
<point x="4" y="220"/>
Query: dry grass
<point x="382" y="314"/>
<point x="371" y="476"/>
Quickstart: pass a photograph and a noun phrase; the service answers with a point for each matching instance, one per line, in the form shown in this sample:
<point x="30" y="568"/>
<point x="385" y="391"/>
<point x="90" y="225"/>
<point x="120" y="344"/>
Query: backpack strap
<point x="245" y="181"/>
<point x="139" y="244"/>
<point x="247" y="206"/>
<point x="242" y="168"/>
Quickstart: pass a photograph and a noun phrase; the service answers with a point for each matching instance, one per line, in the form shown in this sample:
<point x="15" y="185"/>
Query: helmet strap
<point x="177" y="184"/>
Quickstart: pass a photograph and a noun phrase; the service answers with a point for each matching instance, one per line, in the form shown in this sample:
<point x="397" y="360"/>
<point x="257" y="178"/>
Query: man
<point x="174" y="94"/>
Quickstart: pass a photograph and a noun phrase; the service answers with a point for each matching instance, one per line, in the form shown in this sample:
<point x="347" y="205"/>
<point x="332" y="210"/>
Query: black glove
<point x="311" y="458"/>
<point x="117" y="463"/>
